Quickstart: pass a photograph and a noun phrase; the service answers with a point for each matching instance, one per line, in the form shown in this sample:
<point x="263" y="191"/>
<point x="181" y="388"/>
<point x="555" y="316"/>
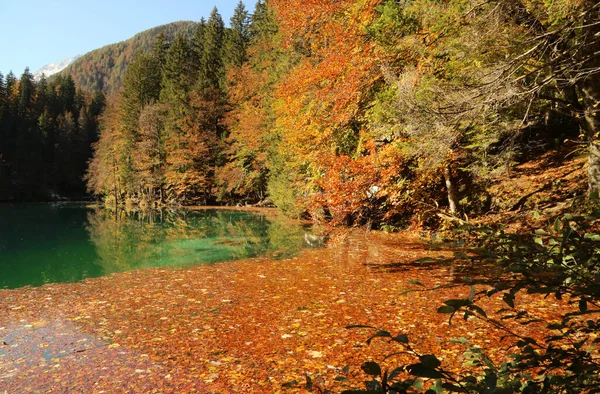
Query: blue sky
<point x="37" y="32"/>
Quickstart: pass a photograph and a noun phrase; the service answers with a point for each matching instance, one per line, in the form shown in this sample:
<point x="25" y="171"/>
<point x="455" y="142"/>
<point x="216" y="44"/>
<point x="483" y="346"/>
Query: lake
<point x="48" y="243"/>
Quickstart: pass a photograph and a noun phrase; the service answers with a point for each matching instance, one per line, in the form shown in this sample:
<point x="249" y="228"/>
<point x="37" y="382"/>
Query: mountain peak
<point x="53" y="68"/>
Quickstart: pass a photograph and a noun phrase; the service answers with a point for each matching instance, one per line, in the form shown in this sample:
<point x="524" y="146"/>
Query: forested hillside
<point x="104" y="68"/>
<point x="163" y="137"/>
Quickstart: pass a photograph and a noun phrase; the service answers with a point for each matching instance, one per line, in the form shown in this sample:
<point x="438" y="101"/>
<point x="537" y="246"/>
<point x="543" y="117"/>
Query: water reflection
<point x="46" y="243"/>
<point x="160" y="238"/>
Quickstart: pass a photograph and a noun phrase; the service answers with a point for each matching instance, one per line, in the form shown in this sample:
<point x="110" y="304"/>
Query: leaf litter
<point x="249" y="326"/>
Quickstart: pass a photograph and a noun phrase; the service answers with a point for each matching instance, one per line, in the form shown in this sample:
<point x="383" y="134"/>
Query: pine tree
<point x="2" y="89"/>
<point x="212" y="73"/>
<point x="160" y="49"/>
<point x="9" y="118"/>
<point x="26" y="92"/>
<point x="42" y="92"/>
<point x="150" y="155"/>
<point x="3" y="96"/>
<point x="66" y="91"/>
<point x="238" y="38"/>
<point x="11" y="81"/>
<point x="198" y="44"/>
<point x="98" y="104"/>
<point x="140" y="87"/>
<point x="262" y="22"/>
<point x="251" y="144"/>
<point x="177" y="76"/>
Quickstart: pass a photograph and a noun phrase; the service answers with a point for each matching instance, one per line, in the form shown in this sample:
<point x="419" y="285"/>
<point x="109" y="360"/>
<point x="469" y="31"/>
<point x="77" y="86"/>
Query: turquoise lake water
<point x="48" y="243"/>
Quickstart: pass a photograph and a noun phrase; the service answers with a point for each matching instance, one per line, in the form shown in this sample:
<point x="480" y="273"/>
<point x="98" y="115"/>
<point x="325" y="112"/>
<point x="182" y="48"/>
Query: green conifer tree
<point x="160" y="49"/>
<point x="177" y="77"/>
<point x="2" y="88"/>
<point x="212" y="73"/>
<point x="141" y="86"/>
<point x="238" y="38"/>
<point x="262" y="22"/>
<point x="10" y="82"/>
<point x="26" y="92"/>
<point x="3" y="96"/>
<point x="198" y="44"/>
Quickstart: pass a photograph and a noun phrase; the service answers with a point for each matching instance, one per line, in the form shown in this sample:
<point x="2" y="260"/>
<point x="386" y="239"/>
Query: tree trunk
<point x="594" y="170"/>
<point x="451" y="188"/>
<point x="590" y="122"/>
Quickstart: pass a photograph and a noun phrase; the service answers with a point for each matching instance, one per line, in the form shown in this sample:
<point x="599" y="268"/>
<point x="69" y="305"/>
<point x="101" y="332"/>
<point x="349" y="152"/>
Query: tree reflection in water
<point x="132" y="240"/>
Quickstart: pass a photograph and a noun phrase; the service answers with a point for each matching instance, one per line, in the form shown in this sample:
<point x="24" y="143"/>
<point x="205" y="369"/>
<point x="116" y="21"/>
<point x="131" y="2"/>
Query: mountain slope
<point x="54" y="68"/>
<point x="104" y="68"/>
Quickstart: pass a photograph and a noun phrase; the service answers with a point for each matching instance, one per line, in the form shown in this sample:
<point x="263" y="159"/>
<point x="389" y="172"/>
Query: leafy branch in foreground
<point x="560" y="261"/>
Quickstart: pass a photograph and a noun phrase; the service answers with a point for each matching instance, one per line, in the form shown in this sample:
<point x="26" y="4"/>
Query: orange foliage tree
<point x="321" y="104"/>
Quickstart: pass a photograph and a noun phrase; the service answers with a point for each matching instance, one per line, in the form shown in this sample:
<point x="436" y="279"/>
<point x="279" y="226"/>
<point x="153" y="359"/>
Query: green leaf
<point x="479" y="310"/>
<point x="540" y="231"/>
<point x="592" y="236"/>
<point x="341" y="379"/>
<point x="457" y="303"/>
<point x="430" y="361"/>
<point x="379" y="334"/>
<point x="422" y="371"/>
<point x="437" y="387"/>
<point x="509" y="299"/>
<point x="446" y="309"/>
<point x="472" y="294"/>
<point x="418" y="384"/>
<point x="491" y="380"/>
<point x="416" y="282"/>
<point x="395" y="372"/>
<point x="401" y="338"/>
<point x="371" y="368"/>
<point x="538" y="241"/>
<point x="358" y="326"/>
<point x="453" y="388"/>
<point x="290" y="384"/>
<point x="557" y="224"/>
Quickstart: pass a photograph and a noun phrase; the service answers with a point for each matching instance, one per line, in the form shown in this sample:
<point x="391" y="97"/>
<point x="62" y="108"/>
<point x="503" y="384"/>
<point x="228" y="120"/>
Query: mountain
<point x="54" y="68"/>
<point x="104" y="68"/>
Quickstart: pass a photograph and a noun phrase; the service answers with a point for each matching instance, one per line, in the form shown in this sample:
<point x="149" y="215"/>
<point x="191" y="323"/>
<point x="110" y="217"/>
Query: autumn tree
<point x="104" y="175"/>
<point x="331" y="80"/>
<point x="250" y="125"/>
<point x="150" y="154"/>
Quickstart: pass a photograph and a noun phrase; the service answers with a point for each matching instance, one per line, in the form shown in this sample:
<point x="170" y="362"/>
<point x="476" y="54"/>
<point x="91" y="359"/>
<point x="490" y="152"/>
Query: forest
<point x="352" y="112"/>
<point x="104" y="68"/>
<point x="379" y="114"/>
<point x="47" y="129"/>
